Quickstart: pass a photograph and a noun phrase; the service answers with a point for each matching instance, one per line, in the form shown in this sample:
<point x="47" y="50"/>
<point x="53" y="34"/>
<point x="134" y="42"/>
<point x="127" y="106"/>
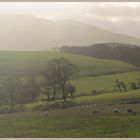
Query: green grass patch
<point x="116" y="97"/>
<point x="27" y="63"/>
<point x="69" y="123"/>
<point x="87" y="84"/>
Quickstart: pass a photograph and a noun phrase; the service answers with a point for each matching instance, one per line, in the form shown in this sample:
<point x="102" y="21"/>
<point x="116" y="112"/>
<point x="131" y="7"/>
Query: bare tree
<point x="58" y="73"/>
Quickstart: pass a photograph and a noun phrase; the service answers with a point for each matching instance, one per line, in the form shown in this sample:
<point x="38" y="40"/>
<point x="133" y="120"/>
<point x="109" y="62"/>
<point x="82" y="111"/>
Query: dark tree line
<point x="15" y="91"/>
<point x="115" y="51"/>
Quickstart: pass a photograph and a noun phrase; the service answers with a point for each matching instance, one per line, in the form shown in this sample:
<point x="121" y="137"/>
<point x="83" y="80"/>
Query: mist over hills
<point x="22" y="32"/>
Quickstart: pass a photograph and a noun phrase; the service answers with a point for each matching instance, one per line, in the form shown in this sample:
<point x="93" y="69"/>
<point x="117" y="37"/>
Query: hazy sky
<point x="119" y="17"/>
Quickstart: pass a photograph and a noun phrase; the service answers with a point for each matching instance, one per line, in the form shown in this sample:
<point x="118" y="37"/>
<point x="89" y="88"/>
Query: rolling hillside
<point x="87" y="84"/>
<point x="28" y="63"/>
<point x="33" y="33"/>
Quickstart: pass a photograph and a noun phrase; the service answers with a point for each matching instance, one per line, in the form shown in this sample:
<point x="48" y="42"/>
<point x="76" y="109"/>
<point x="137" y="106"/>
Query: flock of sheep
<point x="117" y="111"/>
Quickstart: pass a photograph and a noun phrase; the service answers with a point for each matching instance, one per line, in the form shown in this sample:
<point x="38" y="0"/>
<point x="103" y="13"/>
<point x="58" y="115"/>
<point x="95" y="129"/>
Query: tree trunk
<point x="54" y="92"/>
<point x="63" y="91"/>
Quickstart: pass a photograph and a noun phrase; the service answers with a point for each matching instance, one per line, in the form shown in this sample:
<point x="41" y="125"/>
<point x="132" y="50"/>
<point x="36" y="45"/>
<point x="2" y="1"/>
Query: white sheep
<point x="116" y="111"/>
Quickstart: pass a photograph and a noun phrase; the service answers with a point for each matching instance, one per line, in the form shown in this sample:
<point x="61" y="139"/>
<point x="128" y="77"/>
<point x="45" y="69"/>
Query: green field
<point x="73" y="122"/>
<point x="27" y="63"/>
<point x="87" y="84"/>
<point x="78" y="120"/>
<point x="107" y="98"/>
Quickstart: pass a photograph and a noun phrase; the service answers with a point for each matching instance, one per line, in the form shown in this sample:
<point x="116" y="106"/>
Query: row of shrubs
<point x="95" y="92"/>
<point x="8" y="109"/>
<point x="53" y="105"/>
<point x="38" y="107"/>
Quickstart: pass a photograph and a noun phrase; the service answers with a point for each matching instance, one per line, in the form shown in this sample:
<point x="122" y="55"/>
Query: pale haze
<point x="115" y="17"/>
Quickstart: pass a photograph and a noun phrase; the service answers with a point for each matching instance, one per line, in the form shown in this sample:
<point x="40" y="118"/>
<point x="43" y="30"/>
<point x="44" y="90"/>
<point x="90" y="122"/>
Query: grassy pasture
<point x="87" y="84"/>
<point x="77" y="121"/>
<point x="27" y="63"/>
<point x="73" y="122"/>
<point x="126" y="97"/>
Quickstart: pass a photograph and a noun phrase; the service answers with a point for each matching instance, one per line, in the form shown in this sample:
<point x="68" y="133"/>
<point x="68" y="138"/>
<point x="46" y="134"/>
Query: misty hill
<point x="33" y="33"/>
<point x="114" y="51"/>
<point x="23" y="63"/>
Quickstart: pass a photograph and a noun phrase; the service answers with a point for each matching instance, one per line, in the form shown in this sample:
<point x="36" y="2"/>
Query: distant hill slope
<point x="114" y="51"/>
<point x="14" y="63"/>
<point x="32" y="33"/>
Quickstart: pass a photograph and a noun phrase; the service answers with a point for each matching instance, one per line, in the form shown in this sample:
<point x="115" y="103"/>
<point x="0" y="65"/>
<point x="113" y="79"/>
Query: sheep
<point x="116" y="111"/>
<point x="130" y="111"/>
<point x="46" y="115"/>
<point x="95" y="112"/>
